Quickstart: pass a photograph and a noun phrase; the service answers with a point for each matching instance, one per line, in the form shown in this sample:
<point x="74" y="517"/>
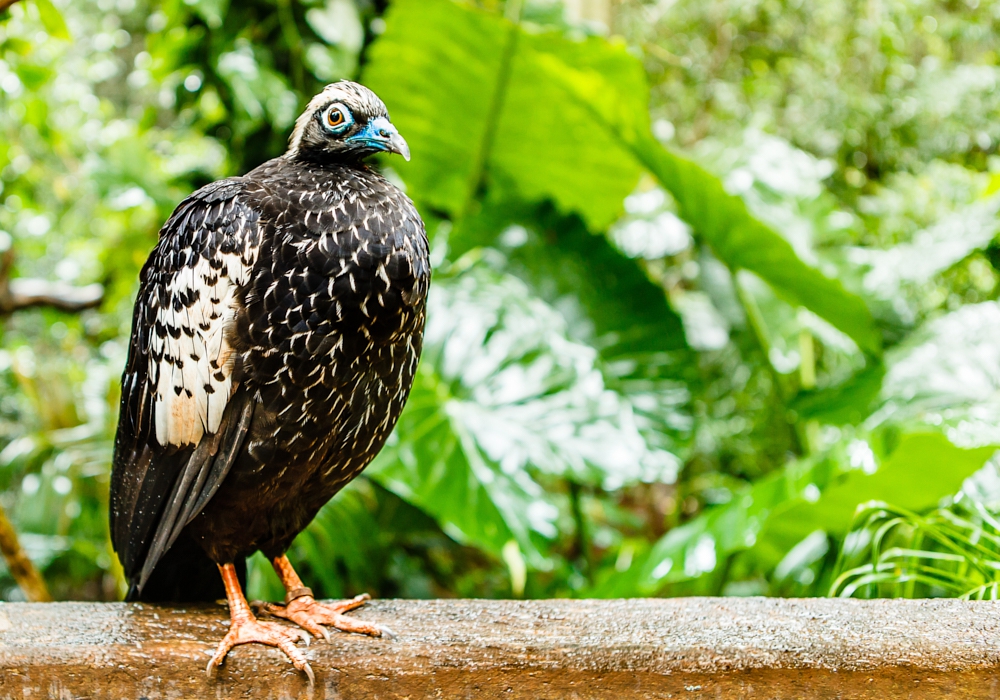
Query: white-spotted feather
<point x="191" y="370"/>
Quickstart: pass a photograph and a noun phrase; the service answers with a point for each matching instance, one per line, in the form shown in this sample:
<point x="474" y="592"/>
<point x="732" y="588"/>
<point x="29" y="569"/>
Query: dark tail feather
<point x="184" y="574"/>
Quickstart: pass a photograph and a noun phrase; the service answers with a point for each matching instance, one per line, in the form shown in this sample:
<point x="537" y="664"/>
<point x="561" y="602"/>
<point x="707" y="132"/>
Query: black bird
<point x="274" y="341"/>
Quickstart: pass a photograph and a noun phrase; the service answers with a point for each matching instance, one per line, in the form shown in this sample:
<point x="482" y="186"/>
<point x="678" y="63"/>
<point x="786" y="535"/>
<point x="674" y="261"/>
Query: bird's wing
<point x="182" y="419"/>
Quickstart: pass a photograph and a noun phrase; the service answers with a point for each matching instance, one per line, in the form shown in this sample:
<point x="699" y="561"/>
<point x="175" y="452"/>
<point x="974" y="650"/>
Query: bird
<point x="275" y="337"/>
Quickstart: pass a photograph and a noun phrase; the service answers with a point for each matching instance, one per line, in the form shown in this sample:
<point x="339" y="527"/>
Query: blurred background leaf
<point x="710" y="276"/>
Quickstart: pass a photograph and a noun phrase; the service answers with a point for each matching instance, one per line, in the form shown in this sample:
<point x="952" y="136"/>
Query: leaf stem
<point x="758" y="329"/>
<point x="582" y="531"/>
<point x="478" y="176"/>
<point x="19" y="565"/>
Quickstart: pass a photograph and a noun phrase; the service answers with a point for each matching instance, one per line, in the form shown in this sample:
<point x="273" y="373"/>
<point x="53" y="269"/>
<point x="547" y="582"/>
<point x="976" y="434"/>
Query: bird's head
<point x="345" y="122"/>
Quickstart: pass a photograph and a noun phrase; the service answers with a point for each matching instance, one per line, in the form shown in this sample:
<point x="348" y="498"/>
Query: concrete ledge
<point x="647" y="648"/>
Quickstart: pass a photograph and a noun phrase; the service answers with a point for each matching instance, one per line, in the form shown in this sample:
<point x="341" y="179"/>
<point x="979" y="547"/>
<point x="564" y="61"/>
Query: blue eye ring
<point x="337" y="118"/>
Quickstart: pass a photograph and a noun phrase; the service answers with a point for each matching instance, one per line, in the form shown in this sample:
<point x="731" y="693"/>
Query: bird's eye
<point x="334" y="117"/>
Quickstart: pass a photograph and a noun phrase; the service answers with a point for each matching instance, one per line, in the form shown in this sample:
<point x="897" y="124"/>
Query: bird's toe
<point x="253" y="631"/>
<point x="315" y="617"/>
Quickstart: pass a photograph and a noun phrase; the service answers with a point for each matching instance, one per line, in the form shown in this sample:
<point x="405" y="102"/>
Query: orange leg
<point x="301" y="608"/>
<point x="246" y="629"/>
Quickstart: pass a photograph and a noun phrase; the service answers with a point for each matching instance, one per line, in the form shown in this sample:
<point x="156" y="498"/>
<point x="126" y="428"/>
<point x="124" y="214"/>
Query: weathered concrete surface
<point x="676" y="648"/>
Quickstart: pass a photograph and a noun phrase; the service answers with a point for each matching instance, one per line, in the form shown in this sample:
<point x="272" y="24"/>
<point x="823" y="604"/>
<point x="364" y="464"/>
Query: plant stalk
<point x="19" y="565"/>
<point x="582" y="531"/>
<point x="758" y="328"/>
<point x="513" y="13"/>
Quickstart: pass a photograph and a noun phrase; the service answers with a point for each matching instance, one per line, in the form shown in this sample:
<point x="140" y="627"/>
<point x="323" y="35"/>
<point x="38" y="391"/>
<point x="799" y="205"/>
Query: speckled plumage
<point x="275" y="338"/>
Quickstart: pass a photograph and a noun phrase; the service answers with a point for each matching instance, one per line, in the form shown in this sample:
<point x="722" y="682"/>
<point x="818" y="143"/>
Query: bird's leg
<point x="244" y="628"/>
<point x="301" y="608"/>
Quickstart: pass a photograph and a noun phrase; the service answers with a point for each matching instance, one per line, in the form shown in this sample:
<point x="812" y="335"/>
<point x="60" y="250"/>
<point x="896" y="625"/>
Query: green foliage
<point x="471" y="91"/>
<point x="722" y="220"/>
<point x="951" y="551"/>
<point x="503" y="393"/>
<point x="911" y="476"/>
<point x="700" y="290"/>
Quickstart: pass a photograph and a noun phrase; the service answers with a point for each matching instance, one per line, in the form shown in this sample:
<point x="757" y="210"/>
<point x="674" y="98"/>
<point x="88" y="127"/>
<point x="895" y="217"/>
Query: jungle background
<point x="715" y="307"/>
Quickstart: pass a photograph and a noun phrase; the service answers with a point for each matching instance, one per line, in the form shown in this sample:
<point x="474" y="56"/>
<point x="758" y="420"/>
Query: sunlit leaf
<point x="52" y="19"/>
<point x="261" y="93"/>
<point x="504" y="399"/>
<point x="467" y="90"/>
<point x="948" y="374"/>
<point x="697" y="547"/>
<point x="921" y="471"/>
<point x="722" y="219"/>
<point x="777" y="512"/>
<point x="212" y="11"/>
<point x="931" y="251"/>
<point x="619" y="309"/>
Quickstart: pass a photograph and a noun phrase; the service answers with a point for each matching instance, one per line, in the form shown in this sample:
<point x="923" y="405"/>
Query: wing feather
<point x="183" y="415"/>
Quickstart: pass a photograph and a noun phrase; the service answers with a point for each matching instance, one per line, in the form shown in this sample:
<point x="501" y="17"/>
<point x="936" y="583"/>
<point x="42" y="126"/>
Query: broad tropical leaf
<point x="697" y="547"/>
<point x="504" y="400"/>
<point x="947" y="375"/>
<point x="933" y="250"/>
<point x="777" y="512"/>
<point x="468" y="91"/>
<point x="618" y="308"/>
<point x="721" y="219"/>
<point x="924" y="469"/>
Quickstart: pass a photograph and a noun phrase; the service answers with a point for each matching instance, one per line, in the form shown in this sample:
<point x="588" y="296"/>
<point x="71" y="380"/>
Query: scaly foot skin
<point x="315" y="617"/>
<point x="249" y="630"/>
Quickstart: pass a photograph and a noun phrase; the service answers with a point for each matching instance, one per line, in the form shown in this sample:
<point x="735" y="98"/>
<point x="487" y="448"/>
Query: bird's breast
<point x="371" y="273"/>
<point x="338" y="299"/>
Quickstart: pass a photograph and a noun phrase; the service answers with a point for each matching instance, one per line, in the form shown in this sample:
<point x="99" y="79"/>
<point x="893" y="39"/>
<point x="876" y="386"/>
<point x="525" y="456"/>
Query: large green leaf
<point x="721" y="219"/>
<point x="888" y="272"/>
<point x="780" y="510"/>
<point x="504" y="400"/>
<point x="616" y="306"/>
<point x="922" y="470"/>
<point x="943" y="378"/>
<point x="743" y="242"/>
<point x="697" y="547"/>
<point x="52" y="20"/>
<point x="467" y="90"/>
<point x="947" y="375"/>
<point x="262" y="94"/>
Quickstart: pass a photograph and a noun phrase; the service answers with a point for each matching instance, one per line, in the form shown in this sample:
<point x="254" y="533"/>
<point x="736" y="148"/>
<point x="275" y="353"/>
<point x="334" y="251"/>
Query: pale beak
<point x="397" y="144"/>
<point x="379" y="134"/>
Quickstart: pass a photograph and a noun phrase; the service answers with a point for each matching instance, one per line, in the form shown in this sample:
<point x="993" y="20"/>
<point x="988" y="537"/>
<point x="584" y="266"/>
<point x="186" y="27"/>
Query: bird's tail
<point x="184" y="574"/>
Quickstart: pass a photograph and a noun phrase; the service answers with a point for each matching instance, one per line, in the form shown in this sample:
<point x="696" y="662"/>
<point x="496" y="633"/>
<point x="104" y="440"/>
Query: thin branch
<point x="24" y="292"/>
<point x="19" y="565"/>
<point x="4" y="4"/>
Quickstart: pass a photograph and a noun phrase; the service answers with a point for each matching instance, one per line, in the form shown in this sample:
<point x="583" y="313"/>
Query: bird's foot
<point x="249" y="630"/>
<point x="315" y="617"/>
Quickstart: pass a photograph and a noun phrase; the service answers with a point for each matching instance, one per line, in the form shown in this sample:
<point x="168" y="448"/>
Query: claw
<point x="252" y="631"/>
<point x="314" y="616"/>
<point x="244" y="628"/>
